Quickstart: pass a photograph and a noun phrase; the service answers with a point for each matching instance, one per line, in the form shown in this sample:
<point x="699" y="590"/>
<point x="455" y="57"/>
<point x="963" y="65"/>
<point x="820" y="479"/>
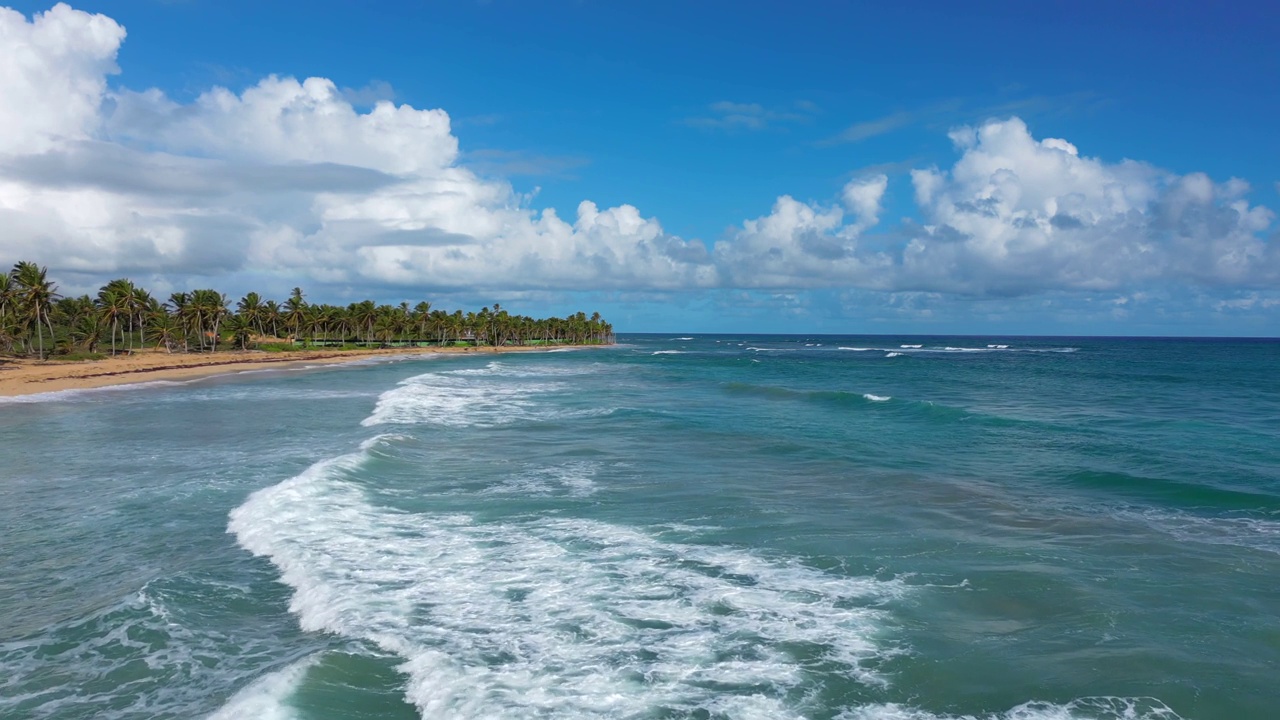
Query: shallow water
<point x="701" y="527"/>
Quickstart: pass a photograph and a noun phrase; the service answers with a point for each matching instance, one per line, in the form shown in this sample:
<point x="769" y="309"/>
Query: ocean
<point x="681" y="526"/>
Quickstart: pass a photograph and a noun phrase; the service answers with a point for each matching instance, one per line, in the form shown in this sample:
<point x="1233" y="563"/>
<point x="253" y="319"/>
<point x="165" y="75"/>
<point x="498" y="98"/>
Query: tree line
<point x="36" y="320"/>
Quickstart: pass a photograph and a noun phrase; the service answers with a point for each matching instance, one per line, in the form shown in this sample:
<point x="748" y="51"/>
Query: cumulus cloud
<point x="1015" y="215"/>
<point x="805" y="245"/>
<point x="285" y="177"/>
<point x="53" y="74"/>
<point x="288" y="178"/>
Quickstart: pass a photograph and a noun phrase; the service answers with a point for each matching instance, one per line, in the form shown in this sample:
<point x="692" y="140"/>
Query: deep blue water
<point x="677" y="527"/>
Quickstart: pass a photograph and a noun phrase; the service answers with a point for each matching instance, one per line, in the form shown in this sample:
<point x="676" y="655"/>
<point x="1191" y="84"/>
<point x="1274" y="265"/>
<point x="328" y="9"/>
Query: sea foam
<point x="558" y="615"/>
<point x="493" y="395"/>
<point x="266" y="698"/>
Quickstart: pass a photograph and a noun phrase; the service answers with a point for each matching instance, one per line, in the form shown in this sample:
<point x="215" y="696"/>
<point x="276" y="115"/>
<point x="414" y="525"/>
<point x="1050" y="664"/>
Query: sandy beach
<point x="28" y="377"/>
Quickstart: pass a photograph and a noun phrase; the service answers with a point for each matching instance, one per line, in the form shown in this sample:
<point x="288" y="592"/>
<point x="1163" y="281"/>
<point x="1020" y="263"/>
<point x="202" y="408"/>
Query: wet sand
<point x="28" y="377"/>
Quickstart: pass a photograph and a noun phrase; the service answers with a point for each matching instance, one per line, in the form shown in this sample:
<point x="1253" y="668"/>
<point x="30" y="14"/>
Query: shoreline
<point x="33" y="377"/>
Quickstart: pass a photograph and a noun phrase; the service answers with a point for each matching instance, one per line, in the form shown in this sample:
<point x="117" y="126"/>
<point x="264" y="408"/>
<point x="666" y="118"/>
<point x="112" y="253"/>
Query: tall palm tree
<point x="241" y="328"/>
<point x="140" y="307"/>
<point x="271" y="316"/>
<point x="421" y="319"/>
<point x="295" y="312"/>
<point x="8" y="295"/>
<point x="36" y="293"/>
<point x="251" y="309"/>
<point x="210" y="312"/>
<point x="8" y="313"/>
<point x="164" y="329"/>
<point x="113" y="303"/>
<point x="180" y="303"/>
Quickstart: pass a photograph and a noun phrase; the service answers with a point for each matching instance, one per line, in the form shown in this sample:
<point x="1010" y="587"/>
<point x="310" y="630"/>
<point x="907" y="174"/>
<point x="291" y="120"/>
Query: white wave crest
<point x="559" y="616"/>
<point x="894" y="354"/>
<point x="876" y="398"/>
<point x="669" y="352"/>
<point x="266" y="698"/>
<point x="496" y="394"/>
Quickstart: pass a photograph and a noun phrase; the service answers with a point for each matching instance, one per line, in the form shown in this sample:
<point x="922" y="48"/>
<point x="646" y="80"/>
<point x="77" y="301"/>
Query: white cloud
<point x="286" y="177"/>
<point x="282" y="120"/>
<point x="802" y="245"/>
<point x="53" y="75"/>
<point x="1016" y="215"/>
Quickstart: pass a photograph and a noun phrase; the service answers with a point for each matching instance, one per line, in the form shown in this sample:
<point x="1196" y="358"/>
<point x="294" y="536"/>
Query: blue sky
<point x="700" y="116"/>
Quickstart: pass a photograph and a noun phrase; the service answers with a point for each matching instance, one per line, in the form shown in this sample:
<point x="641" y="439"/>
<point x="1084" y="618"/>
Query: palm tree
<point x="421" y="318"/>
<point x="35" y="292"/>
<point x="8" y="312"/>
<point x="241" y="328"/>
<point x="251" y="309"/>
<point x="164" y="329"/>
<point x="295" y="312"/>
<point x="271" y="316"/>
<point x="8" y="295"/>
<point x="210" y="311"/>
<point x="113" y="303"/>
<point x="180" y="302"/>
<point x="139" y="302"/>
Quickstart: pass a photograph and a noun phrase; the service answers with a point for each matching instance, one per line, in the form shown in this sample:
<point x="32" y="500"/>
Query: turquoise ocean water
<point x="677" y="527"/>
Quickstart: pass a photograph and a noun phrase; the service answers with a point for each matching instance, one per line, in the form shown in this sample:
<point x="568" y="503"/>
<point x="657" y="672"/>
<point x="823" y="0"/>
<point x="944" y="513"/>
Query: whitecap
<point x="267" y="697"/>
<point x="496" y="394"/>
<point x="876" y="398"/>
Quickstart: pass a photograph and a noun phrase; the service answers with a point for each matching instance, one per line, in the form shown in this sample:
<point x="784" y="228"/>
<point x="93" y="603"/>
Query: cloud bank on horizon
<point x="287" y="178"/>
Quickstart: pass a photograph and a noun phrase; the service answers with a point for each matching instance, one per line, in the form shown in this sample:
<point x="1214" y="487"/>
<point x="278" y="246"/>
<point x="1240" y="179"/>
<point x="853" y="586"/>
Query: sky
<point x="1081" y="168"/>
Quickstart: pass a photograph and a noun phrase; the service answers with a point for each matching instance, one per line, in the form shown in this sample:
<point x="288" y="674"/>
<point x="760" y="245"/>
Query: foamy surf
<point x="496" y="394"/>
<point x="557" y="615"/>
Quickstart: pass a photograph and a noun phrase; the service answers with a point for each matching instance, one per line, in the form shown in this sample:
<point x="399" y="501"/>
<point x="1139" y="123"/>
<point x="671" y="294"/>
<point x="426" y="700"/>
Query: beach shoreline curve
<point x="19" y="377"/>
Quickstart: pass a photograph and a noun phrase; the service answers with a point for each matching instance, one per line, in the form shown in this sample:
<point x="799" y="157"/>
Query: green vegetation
<point x="36" y="321"/>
